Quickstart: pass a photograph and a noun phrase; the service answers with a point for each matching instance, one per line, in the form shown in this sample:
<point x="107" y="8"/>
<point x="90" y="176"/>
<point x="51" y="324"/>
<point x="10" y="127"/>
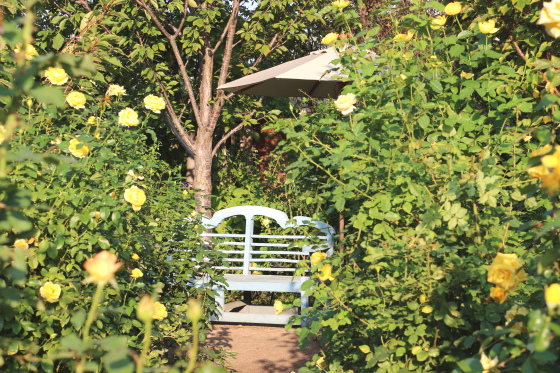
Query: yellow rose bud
<point x="550" y="18"/>
<point x="345" y="103"/>
<point x="21" y="244"/>
<point x="78" y="149"/>
<point x="146" y="310"/>
<point x="92" y="120"/>
<point x="488" y="27"/>
<point x="194" y="310"/>
<point x="498" y="294"/>
<point x="330" y="38"/>
<point x="438" y="22"/>
<point x="552" y="296"/>
<point x="453" y="8"/>
<point x="50" y="292"/>
<point x="135" y="256"/>
<point x="317" y="257"/>
<point x="56" y="75"/>
<point x="154" y="103"/>
<point x="115" y="90"/>
<point x="136" y="273"/>
<point x="103" y="266"/>
<point x="76" y="99"/>
<point x="135" y="196"/>
<point x="278" y="306"/>
<point x="29" y="102"/>
<point x="423" y="298"/>
<point x="160" y="312"/>
<point x="128" y="118"/>
<point x="340" y="4"/>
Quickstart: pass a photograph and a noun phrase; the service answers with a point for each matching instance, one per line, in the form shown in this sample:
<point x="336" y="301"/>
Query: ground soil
<point x="261" y="349"/>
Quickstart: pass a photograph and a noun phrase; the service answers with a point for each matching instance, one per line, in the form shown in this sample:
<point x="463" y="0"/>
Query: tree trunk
<point x="203" y="173"/>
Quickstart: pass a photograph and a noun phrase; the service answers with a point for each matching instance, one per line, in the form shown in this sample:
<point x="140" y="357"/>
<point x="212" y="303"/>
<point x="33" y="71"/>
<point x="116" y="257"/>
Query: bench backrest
<point x="248" y="247"/>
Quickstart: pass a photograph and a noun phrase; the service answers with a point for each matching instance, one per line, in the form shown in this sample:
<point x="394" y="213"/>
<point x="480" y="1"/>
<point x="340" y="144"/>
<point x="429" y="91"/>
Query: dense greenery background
<point x="426" y="179"/>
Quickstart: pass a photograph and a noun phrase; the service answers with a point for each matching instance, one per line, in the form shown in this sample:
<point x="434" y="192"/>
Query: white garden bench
<point x="279" y="253"/>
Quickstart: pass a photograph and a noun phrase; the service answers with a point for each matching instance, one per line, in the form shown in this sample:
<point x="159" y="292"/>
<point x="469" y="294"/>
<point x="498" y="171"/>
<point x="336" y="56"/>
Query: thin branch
<point x="231" y="23"/>
<point x="224" y="139"/>
<point x="516" y="46"/>
<point x="182" y="23"/>
<point x="230" y="133"/>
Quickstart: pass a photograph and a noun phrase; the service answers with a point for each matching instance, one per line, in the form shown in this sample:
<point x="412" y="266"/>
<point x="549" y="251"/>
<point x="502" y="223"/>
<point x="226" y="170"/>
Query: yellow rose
<point x="340" y="4"/>
<point x="128" y="118"/>
<point x="30" y="51"/>
<point x="404" y="37"/>
<point x="487" y="363"/>
<point x="50" y="292"/>
<point x="102" y="267"/>
<point x="21" y="244"/>
<point x="317" y="257"/>
<point x="498" y="294"/>
<point x="115" y="90"/>
<point x="345" y="103"/>
<point x="154" y="103"/>
<point x="92" y="120"/>
<point x="435" y="62"/>
<point x="438" y="22"/>
<point x="278" y="306"/>
<point x="56" y="75"/>
<point x="77" y="150"/>
<point x="325" y="273"/>
<point x="505" y="271"/>
<point x="160" y="312"/>
<point x="510" y="315"/>
<point x="488" y="27"/>
<point x="137" y="273"/>
<point x="552" y="296"/>
<point x="330" y="38"/>
<point x="453" y="8"/>
<point x="550" y="18"/>
<point x="135" y="196"/>
<point x="135" y="256"/>
<point x="76" y="99"/>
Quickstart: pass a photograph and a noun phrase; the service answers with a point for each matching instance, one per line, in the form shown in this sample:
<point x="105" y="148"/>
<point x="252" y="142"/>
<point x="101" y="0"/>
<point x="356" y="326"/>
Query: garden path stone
<point x="261" y="349"/>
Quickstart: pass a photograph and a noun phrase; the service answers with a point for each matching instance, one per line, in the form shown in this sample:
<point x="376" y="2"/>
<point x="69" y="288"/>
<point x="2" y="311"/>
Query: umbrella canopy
<point x="306" y="76"/>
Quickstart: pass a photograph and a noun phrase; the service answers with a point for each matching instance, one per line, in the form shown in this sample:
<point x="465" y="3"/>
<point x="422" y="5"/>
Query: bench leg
<point x="221" y="300"/>
<point x="304" y="305"/>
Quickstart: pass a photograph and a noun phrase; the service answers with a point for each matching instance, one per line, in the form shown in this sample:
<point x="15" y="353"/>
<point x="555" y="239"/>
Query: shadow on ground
<point x="261" y="349"/>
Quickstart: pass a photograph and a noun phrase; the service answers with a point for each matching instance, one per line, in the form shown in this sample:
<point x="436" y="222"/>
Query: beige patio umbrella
<point x="312" y="75"/>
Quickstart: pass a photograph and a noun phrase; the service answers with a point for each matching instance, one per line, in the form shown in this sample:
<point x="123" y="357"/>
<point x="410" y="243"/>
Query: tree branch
<point x="182" y="23"/>
<point x="230" y="133"/>
<point x="177" y="54"/>
<point x="516" y="46"/>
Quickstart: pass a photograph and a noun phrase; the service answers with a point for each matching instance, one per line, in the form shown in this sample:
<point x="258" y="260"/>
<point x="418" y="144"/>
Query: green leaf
<point x="48" y="95"/>
<point x="470" y="365"/>
<point x="58" y="41"/>
<point x="436" y="86"/>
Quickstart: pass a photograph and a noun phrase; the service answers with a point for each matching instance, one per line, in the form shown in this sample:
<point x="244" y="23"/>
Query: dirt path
<point x="261" y="349"/>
